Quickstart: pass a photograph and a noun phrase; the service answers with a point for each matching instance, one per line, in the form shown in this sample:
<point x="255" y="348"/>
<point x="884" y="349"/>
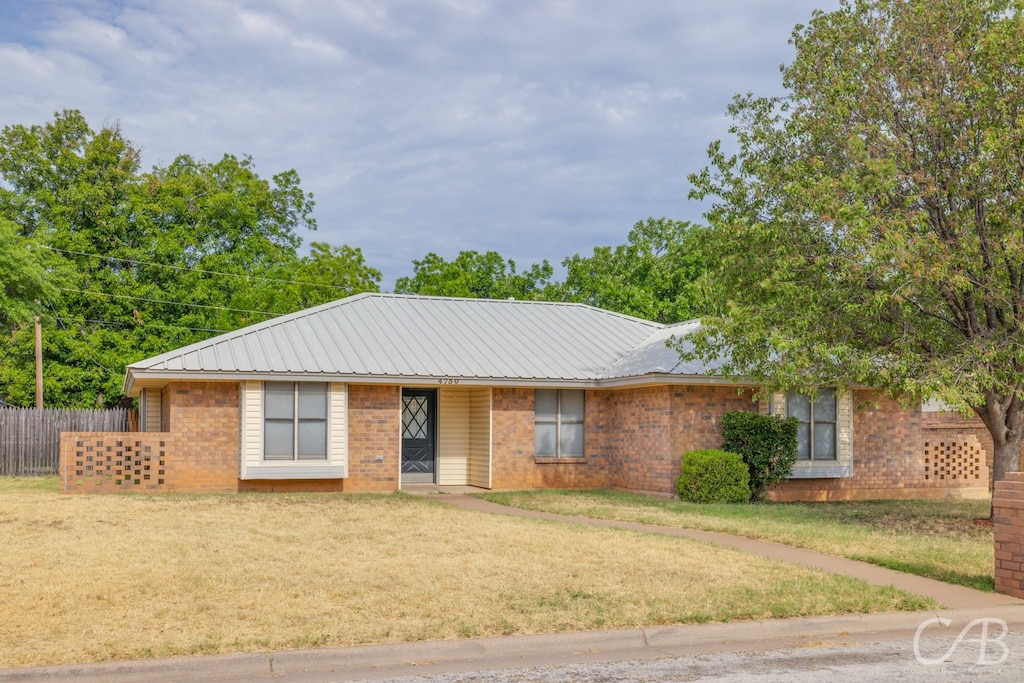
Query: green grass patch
<point x="935" y="538"/>
<point x="16" y="484"/>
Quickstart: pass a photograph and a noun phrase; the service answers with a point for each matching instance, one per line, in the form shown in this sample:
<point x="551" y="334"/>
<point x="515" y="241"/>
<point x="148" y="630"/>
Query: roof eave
<point x="433" y="380"/>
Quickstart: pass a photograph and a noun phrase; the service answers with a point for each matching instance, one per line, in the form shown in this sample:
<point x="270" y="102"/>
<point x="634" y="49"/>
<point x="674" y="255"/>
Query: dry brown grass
<point x="89" y="578"/>
<point x="934" y="538"/>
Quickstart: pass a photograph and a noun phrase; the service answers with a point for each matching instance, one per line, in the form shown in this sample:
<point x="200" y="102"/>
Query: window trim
<point x="558" y="422"/>
<point x="842" y="466"/>
<point x="810" y="426"/>
<point x="296" y="421"/>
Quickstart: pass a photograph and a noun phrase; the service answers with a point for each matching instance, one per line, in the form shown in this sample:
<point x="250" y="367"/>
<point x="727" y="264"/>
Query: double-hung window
<point x="816" y="434"/>
<point x="558" y="417"/>
<point x="295" y="421"/>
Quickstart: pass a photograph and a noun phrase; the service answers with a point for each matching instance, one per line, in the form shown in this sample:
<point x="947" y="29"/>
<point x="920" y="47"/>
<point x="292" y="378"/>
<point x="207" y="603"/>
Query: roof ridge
<point x="512" y="300"/>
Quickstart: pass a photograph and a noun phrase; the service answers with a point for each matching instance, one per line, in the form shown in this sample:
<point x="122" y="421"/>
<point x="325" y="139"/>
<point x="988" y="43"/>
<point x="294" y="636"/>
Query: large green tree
<point x="476" y="275"/>
<point x="138" y="263"/>
<point x="655" y="275"/>
<point x="22" y="276"/>
<point x="870" y="226"/>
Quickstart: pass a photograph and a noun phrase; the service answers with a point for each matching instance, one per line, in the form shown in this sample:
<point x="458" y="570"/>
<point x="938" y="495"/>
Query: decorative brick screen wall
<point x="958" y="457"/>
<point x="1008" y="510"/>
<point x="96" y="462"/>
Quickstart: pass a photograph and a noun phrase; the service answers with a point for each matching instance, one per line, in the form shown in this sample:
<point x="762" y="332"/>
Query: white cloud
<point x="538" y="129"/>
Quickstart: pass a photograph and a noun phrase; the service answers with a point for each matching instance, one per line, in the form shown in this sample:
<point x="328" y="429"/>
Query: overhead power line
<point x="83" y="349"/>
<point x="125" y="323"/>
<point x="195" y="270"/>
<point x="170" y="303"/>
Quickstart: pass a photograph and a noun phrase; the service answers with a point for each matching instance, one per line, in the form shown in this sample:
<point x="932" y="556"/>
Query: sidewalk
<point x="373" y="662"/>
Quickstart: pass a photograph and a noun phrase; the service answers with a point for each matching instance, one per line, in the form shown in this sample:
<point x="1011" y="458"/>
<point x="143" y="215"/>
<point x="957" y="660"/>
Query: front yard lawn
<point x="101" y="577"/>
<point x="934" y="538"/>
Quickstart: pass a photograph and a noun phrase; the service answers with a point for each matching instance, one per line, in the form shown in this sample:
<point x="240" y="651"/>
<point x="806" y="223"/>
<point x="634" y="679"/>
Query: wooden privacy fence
<point x="30" y="438"/>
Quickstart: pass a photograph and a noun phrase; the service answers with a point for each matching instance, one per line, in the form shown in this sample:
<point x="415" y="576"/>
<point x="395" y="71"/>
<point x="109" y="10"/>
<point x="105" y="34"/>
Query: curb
<point x="367" y="662"/>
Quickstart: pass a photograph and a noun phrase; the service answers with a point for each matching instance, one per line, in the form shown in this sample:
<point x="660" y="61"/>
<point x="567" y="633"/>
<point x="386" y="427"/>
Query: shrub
<point x="712" y="476"/>
<point x="767" y="444"/>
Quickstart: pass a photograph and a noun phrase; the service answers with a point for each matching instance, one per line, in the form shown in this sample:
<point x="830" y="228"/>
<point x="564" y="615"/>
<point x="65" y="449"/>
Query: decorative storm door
<point x="419" y="407"/>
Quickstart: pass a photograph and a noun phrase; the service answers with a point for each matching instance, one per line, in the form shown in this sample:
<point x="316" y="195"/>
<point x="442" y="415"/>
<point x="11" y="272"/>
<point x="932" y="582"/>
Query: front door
<point x="419" y="410"/>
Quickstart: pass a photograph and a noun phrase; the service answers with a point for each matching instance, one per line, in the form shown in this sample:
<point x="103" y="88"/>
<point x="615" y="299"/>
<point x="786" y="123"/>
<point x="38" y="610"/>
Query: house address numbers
<point x="447" y="380"/>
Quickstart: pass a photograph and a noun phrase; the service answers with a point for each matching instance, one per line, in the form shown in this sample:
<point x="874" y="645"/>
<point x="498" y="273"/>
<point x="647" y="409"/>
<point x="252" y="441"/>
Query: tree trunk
<point x="1004" y="419"/>
<point x="1006" y="456"/>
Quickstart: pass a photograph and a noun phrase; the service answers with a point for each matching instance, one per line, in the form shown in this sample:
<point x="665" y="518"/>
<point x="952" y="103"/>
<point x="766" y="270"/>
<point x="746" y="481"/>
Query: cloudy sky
<point x="537" y="128"/>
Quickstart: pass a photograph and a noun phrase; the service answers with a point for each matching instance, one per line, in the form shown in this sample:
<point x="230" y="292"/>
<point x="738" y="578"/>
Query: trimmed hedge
<point x="712" y="476"/>
<point x="767" y="444"/>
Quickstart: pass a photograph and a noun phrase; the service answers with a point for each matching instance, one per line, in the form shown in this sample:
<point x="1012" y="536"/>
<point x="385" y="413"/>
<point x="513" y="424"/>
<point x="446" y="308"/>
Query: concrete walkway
<point x="386" y="662"/>
<point x="948" y="595"/>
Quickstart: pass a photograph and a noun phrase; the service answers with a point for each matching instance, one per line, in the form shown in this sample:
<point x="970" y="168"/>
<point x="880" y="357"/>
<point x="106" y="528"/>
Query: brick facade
<point x="513" y="465"/>
<point x="374" y="437"/>
<point x="634" y="439"/>
<point x="1008" y="514"/>
<point x="198" y="452"/>
<point x="904" y="453"/>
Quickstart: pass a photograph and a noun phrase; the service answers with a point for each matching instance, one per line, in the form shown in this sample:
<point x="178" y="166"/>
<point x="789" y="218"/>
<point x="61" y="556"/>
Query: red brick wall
<point x="697" y="418"/>
<point x="292" y="485"/>
<point x="640" y="438"/>
<point x="1008" y="514"/>
<point x="374" y="437"/>
<point x="634" y="437"/>
<point x="206" y="419"/>
<point x="513" y="465"/>
<point x="890" y="459"/>
<point x="199" y="455"/>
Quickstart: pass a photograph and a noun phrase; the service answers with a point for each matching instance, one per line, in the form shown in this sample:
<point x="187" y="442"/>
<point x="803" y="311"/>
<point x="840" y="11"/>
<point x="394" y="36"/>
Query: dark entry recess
<point x="419" y="436"/>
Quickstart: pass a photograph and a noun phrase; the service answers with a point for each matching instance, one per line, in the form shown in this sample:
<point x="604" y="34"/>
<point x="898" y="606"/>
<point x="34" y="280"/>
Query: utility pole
<point x="39" y="364"/>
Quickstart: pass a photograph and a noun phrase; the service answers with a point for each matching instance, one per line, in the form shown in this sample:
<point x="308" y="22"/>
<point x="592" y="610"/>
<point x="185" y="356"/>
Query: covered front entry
<point x="419" y="436"/>
<point x="446" y="436"/>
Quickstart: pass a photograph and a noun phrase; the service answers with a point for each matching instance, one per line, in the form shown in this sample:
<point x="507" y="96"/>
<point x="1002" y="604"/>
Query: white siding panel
<point x="453" y="437"/>
<point x="480" y="437"/>
<point x="779" y="403"/>
<point x="153" y="411"/>
<point x="844" y="425"/>
<point x="338" y="419"/>
<point x="252" y="427"/>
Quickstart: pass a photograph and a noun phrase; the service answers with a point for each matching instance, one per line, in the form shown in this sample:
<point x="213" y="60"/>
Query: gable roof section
<point x="389" y="337"/>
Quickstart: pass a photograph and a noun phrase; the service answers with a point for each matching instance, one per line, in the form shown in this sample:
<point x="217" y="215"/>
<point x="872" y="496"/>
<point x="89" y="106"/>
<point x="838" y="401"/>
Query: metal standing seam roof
<point x="403" y="336"/>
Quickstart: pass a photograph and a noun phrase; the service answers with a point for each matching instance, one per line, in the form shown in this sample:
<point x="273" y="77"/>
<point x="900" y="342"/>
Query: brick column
<point x="1008" y="511"/>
